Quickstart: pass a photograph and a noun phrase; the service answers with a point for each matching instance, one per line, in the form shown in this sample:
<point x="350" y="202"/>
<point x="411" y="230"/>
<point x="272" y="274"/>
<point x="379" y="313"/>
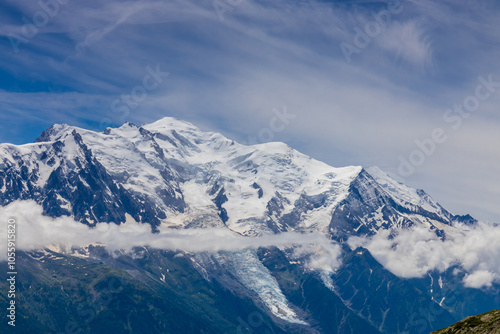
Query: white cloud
<point x="479" y="279"/>
<point x="35" y="231"/>
<point x="408" y="41"/>
<point x="322" y="256"/>
<point x="415" y="252"/>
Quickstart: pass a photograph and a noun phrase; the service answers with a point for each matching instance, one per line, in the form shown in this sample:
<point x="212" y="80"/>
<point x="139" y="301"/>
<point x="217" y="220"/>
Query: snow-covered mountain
<point x="172" y="173"/>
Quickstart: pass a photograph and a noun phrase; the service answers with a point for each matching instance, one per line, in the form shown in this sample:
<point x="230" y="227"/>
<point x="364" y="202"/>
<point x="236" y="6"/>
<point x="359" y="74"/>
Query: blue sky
<point x="229" y="67"/>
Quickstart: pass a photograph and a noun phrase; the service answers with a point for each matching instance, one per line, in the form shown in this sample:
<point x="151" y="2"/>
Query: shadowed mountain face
<point x="487" y="323"/>
<point x="170" y="174"/>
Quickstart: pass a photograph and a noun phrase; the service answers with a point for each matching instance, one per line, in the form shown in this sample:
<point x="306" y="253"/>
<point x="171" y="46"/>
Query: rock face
<point x="170" y="174"/>
<point x="487" y="323"/>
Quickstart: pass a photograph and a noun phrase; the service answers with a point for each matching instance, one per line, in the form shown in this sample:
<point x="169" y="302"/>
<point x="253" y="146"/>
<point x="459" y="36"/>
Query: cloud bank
<point x="406" y="253"/>
<point x="35" y="231"/>
<point x="415" y="252"/>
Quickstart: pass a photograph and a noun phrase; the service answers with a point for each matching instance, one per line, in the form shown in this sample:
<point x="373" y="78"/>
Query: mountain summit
<point x="170" y="172"/>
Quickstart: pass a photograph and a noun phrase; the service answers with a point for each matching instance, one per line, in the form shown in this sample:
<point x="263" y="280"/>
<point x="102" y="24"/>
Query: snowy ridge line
<point x="170" y="173"/>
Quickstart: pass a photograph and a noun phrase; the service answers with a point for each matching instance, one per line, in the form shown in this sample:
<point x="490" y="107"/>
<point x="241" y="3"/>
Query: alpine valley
<point x="172" y="177"/>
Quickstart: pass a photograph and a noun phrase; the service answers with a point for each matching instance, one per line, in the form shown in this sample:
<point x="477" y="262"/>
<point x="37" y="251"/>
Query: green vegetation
<point x="487" y="323"/>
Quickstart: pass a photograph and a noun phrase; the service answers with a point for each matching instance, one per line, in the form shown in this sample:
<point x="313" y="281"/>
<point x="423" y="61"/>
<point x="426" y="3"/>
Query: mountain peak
<point x="172" y="169"/>
<point x="54" y="132"/>
<point x="170" y="123"/>
<point x="60" y="132"/>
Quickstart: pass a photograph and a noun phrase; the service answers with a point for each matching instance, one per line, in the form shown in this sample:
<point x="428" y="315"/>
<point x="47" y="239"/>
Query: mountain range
<point x="171" y="176"/>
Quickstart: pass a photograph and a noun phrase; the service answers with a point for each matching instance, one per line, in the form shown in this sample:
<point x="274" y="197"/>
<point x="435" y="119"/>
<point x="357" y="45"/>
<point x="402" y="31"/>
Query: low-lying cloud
<point x="417" y="251"/>
<point x="36" y="231"/>
<point x="408" y="254"/>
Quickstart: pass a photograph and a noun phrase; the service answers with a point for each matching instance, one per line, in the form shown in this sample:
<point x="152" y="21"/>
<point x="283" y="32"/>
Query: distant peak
<point x="169" y="122"/>
<point x="182" y="129"/>
<point x="54" y="132"/>
<point x="130" y="124"/>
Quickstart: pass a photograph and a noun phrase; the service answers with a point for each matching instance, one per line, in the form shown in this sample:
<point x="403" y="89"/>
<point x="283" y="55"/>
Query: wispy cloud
<point x="228" y="76"/>
<point x="409" y="42"/>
